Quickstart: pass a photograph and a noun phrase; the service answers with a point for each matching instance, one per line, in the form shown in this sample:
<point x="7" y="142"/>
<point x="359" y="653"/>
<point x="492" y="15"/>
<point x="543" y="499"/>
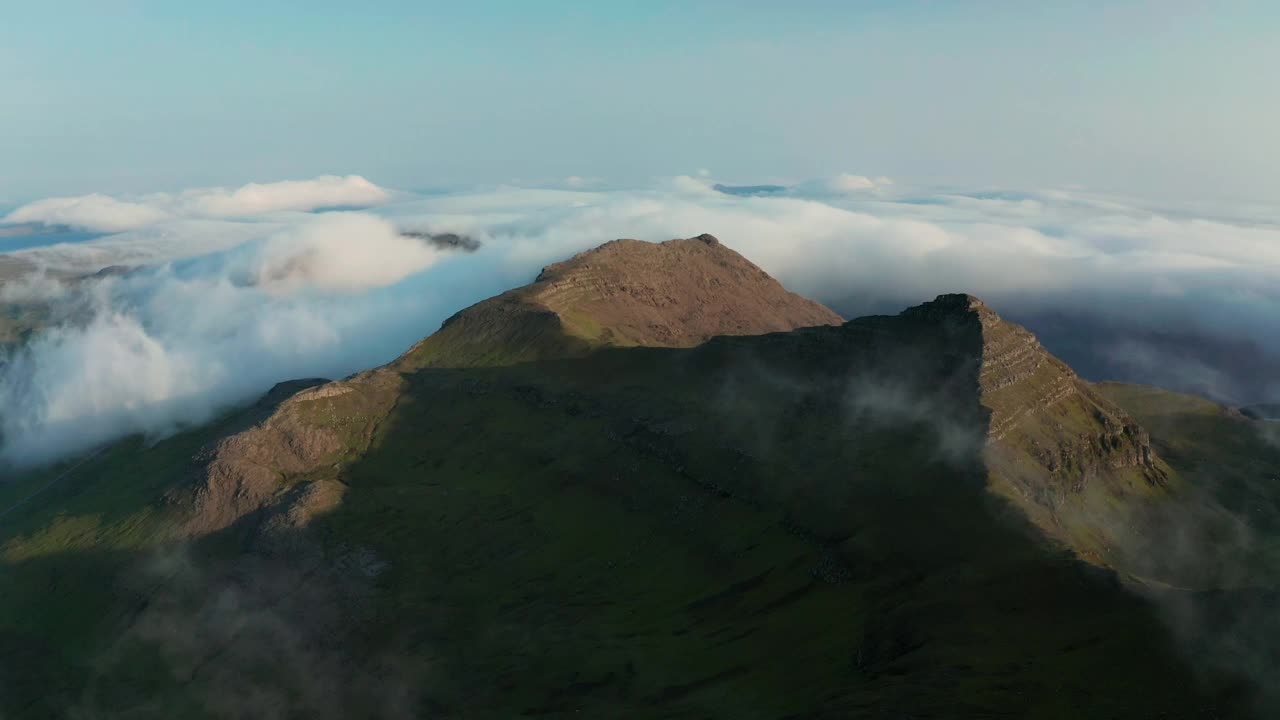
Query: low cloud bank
<point x="340" y="251"/>
<point x="102" y="213"/>
<point x="216" y="309"/>
<point x="164" y="346"/>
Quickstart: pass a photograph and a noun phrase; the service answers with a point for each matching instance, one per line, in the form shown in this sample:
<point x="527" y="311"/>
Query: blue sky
<point x="1166" y="99"/>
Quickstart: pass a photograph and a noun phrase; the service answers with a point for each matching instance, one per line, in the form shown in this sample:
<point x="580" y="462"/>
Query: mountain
<point x="627" y="292"/>
<point x="1057" y="448"/>
<point x="651" y="484"/>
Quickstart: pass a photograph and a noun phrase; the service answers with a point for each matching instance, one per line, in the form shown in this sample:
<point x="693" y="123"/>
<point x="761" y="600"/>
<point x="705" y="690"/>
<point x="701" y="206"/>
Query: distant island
<point x="750" y="190"/>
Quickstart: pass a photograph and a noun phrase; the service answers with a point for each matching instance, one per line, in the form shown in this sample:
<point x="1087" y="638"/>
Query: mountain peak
<point x="953" y="304"/>
<point x="958" y="300"/>
<point x="1055" y="447"/>
<point x="677" y="293"/>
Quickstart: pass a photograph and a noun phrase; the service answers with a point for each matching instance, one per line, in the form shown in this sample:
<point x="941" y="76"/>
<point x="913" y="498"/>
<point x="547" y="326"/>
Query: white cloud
<point x="685" y="184"/>
<point x="35" y="286"/>
<point x="850" y="183"/>
<point x="91" y="212"/>
<point x="172" y="344"/>
<point x="577" y="182"/>
<point x="101" y="213"/>
<point x="842" y="184"/>
<point x="337" y="251"/>
<point x="256" y="199"/>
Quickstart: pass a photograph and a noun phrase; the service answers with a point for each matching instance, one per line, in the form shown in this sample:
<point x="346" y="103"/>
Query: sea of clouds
<point x="213" y="295"/>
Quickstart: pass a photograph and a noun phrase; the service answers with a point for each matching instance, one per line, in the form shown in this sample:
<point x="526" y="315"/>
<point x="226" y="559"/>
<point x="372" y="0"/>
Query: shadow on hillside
<point x="785" y="525"/>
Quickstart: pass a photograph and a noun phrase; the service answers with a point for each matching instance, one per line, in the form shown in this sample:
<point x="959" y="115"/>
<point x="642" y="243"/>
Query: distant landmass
<point x="1266" y="411"/>
<point x="446" y="241"/>
<point x="22" y="229"/>
<point x="750" y="190"/>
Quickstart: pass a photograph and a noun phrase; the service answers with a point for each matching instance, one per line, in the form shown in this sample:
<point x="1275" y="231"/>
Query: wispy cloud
<point x="172" y="344"/>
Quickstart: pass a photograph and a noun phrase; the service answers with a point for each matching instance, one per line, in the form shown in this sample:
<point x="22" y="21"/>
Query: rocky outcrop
<point x="1056" y="448"/>
<point x="1068" y="458"/>
<point x="305" y="438"/>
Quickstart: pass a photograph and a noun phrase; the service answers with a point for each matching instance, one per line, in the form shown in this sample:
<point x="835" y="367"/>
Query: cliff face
<point x="1056" y="447"/>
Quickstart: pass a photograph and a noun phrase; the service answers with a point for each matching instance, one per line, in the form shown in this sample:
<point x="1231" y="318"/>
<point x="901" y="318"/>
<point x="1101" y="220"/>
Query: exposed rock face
<point x="304" y="438"/>
<point x="1056" y="447"/>
<point x="678" y="293"/>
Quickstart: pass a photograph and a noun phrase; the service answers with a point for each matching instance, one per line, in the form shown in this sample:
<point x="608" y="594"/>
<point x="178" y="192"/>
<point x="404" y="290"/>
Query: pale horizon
<point x="1163" y="101"/>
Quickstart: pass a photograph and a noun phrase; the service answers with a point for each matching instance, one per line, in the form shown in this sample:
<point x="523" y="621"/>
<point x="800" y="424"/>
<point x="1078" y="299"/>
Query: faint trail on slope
<point x="61" y="476"/>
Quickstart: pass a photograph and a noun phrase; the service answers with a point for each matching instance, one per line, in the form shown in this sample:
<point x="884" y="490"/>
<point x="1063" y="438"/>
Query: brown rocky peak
<point x="678" y="293"/>
<point x="954" y="307"/>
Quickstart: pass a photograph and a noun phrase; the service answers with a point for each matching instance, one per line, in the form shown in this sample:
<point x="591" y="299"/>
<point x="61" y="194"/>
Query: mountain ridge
<point x="1054" y="447"/>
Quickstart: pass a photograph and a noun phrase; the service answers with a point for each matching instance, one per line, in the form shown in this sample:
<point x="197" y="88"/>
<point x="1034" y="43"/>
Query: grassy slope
<point x="61" y="555"/>
<point x="1233" y="459"/>
<point x="1228" y="461"/>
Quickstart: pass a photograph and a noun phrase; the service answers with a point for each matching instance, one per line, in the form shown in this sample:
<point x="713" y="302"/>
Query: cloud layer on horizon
<point x="221" y="308"/>
<point x="102" y="213"/>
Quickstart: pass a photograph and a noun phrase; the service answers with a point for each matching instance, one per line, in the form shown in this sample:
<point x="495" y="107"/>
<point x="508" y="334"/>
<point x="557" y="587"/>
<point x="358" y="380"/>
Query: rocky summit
<point x="624" y="293"/>
<point x="652" y="483"/>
